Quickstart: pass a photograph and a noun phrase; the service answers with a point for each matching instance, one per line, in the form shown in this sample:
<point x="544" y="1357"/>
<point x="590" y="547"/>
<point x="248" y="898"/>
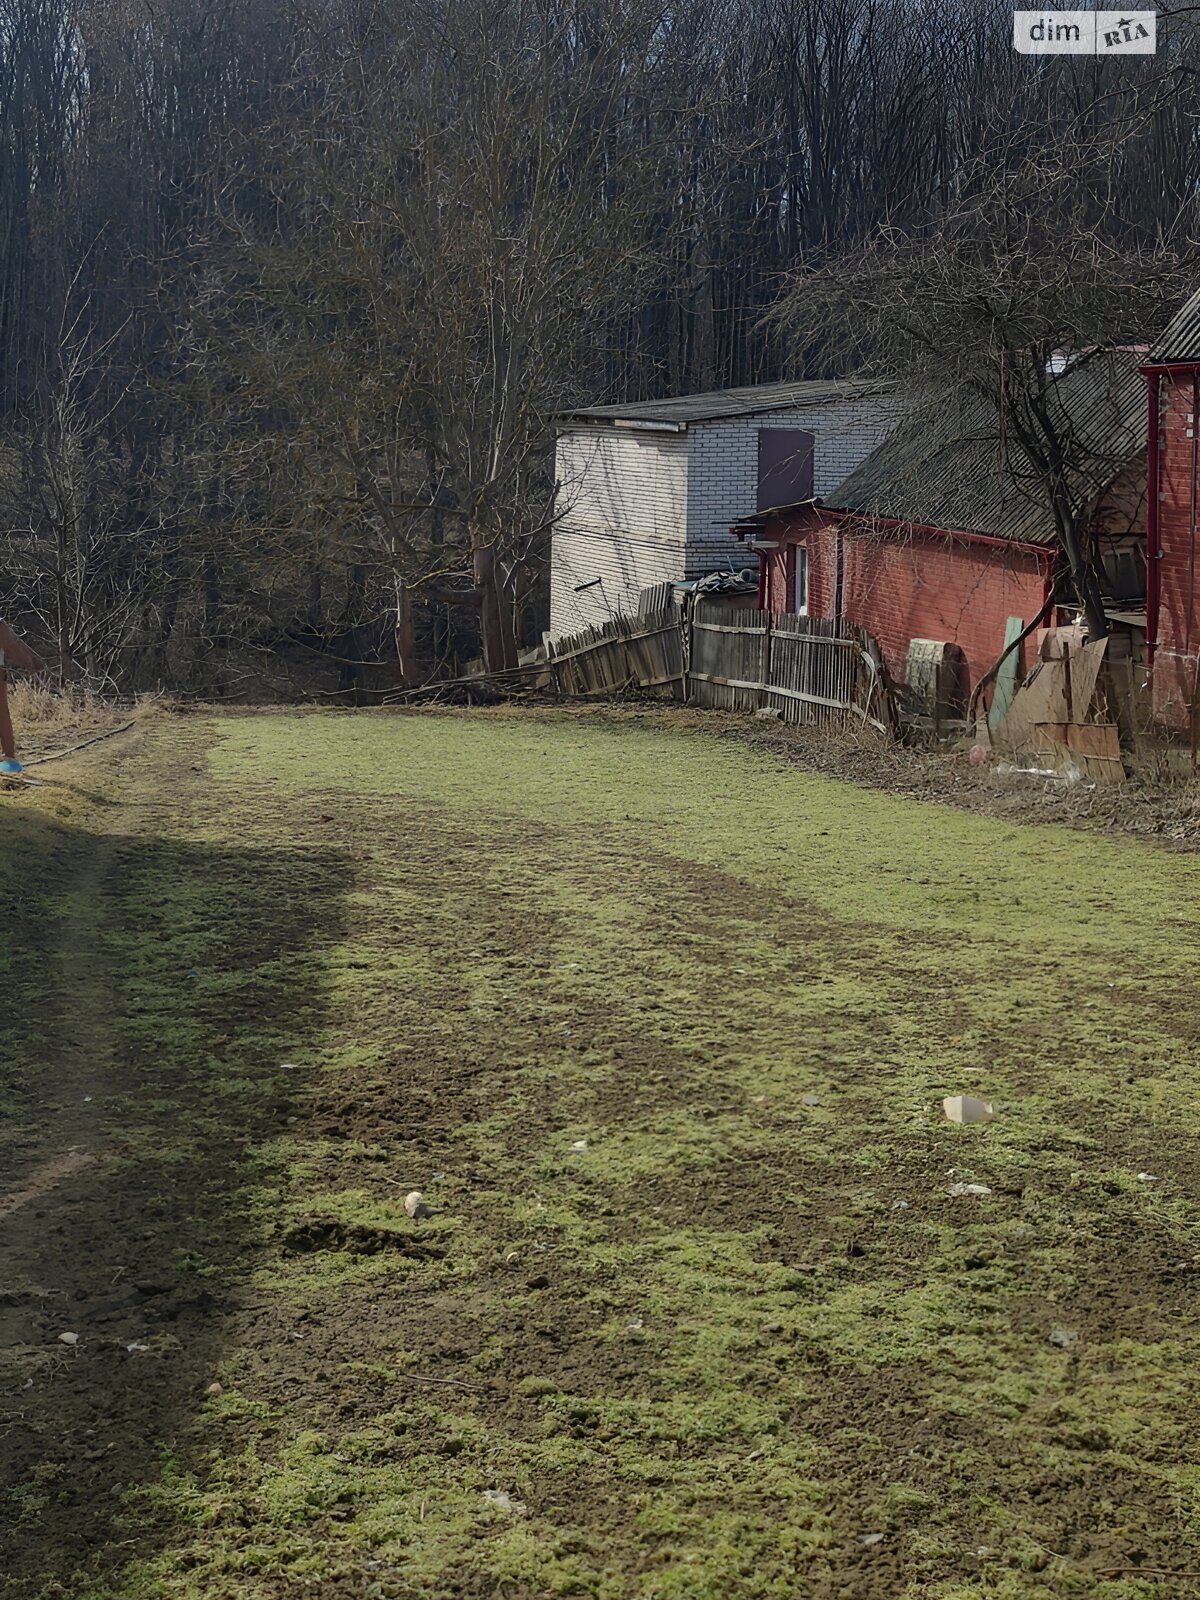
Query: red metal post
<point x="1153" y="474"/>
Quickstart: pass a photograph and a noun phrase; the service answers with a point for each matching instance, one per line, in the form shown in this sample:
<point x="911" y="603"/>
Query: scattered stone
<point x="771" y="1327"/>
<point x="68" y="1338"/>
<point x="136" y="1347"/>
<point x="215" y="1389"/>
<point x="900" y="1205"/>
<point x="415" y="1207"/>
<point x="504" y="1502"/>
<point x="579" y="1148"/>
<point x="869" y="1539"/>
<point x="810" y="1100"/>
<point x="768" y="714"/>
<point x="957" y="1190"/>
<point x="1063" y="1338"/>
<point x="966" y="1108"/>
<point x="1146" y="1177"/>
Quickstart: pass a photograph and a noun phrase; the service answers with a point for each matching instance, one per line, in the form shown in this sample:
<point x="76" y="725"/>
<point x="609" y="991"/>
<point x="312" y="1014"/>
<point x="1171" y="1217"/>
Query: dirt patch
<point x="329" y="1233"/>
<point x="45" y="1178"/>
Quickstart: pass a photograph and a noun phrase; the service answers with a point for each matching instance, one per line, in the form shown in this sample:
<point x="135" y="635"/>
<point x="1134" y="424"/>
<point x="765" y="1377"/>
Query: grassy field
<point x="660" y="1027"/>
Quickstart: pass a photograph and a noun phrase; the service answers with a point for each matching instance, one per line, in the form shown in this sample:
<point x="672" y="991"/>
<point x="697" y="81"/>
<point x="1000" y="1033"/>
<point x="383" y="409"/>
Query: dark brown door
<point x="785" y="467"/>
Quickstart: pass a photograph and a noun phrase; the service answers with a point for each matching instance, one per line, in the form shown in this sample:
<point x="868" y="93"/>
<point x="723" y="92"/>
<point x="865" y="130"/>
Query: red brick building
<point x="936" y="536"/>
<point x="1173" y="571"/>
<point x="902" y="581"/>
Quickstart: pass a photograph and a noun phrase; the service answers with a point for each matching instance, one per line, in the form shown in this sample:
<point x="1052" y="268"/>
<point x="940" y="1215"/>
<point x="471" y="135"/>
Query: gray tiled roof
<point x="1181" y="340"/>
<point x="942" y="467"/>
<point x="718" y="403"/>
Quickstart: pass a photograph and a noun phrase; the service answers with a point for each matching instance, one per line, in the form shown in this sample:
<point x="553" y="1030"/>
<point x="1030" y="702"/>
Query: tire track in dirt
<point x="44" y="1178"/>
<point x="130" y="1220"/>
<point x="64" y="1243"/>
<point x="68" y="1020"/>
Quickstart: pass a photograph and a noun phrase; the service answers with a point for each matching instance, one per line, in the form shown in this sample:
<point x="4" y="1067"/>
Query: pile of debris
<point x="1074" y="714"/>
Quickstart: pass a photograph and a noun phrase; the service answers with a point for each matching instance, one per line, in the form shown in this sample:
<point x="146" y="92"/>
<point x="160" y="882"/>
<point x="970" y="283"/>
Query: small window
<point x="796" y="599"/>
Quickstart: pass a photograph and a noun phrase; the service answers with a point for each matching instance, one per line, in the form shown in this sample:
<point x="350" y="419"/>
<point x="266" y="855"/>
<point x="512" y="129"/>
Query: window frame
<point x="796" y="590"/>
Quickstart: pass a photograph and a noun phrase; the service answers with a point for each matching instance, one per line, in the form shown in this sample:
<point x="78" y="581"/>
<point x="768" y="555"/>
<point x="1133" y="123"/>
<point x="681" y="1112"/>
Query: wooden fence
<point x="730" y="658"/>
<point x="809" y="669"/>
<point x="644" y="652"/>
<point x="824" y="670"/>
<point x="658" y="597"/>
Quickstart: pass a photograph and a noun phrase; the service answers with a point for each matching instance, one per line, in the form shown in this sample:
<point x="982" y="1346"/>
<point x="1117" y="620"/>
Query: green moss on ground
<point x="721" y="1348"/>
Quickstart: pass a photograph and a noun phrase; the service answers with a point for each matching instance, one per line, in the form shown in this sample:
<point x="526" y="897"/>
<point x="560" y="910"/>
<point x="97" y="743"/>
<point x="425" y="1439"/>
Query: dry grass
<point x="40" y="706"/>
<point x="49" y="719"/>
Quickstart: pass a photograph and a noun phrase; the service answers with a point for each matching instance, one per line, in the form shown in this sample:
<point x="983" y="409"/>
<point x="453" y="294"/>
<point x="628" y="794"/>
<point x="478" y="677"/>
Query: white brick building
<point x="647" y="492"/>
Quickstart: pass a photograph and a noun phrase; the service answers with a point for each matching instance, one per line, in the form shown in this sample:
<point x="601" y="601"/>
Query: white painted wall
<point x="639" y="508"/>
<point x="723" y="467"/>
<point x="623" y="504"/>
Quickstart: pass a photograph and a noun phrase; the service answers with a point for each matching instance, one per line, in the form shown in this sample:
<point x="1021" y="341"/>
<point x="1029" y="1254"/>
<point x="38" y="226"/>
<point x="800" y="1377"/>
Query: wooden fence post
<point x="686" y="623"/>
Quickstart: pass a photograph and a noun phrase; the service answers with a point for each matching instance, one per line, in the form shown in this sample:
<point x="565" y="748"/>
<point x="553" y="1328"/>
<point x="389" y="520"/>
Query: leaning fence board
<point x="644" y="652"/>
<point x="658" y="597"/>
<point x="627" y="638"/>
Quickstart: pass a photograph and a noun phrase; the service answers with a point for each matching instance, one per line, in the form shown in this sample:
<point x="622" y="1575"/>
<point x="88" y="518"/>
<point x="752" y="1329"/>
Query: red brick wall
<point x="1179" y="567"/>
<point x="820" y="540"/>
<point x="916" y="587"/>
<point x="819" y="537"/>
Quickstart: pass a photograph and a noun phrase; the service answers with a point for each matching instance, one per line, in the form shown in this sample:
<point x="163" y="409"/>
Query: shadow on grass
<point x="152" y="990"/>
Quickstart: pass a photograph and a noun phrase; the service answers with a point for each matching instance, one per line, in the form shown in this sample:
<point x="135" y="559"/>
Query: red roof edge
<point x="967" y="535"/>
<point x="1044" y="552"/>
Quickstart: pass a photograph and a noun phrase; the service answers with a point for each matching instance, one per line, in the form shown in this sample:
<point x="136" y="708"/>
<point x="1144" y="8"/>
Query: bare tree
<point x="446" y="236"/>
<point x="1032" y="270"/>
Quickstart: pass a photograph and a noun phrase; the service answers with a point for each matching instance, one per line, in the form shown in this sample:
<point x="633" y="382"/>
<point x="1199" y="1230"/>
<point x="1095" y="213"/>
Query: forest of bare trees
<point x="291" y="290"/>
